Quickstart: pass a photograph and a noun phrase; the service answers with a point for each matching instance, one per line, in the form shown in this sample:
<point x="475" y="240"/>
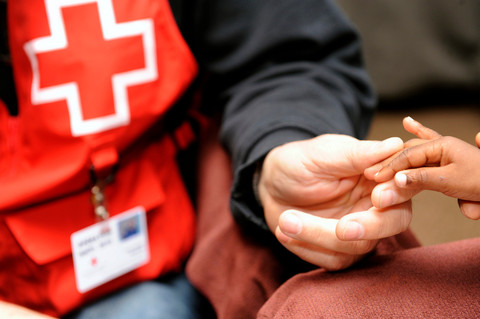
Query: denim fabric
<point x="173" y="298"/>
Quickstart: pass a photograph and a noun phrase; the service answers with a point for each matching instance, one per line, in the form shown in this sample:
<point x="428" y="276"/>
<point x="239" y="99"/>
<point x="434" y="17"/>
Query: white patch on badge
<point x="110" y="249"/>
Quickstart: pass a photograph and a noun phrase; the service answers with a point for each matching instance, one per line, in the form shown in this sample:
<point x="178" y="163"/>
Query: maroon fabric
<point x="440" y="281"/>
<point x="237" y="274"/>
<point x="225" y="265"/>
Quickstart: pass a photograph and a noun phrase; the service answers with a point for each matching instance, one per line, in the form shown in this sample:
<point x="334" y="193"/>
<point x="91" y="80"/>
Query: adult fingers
<point x="375" y="223"/>
<point x="470" y="209"/>
<point x="419" y="130"/>
<point x="366" y="153"/>
<point x="316" y="255"/>
<point x="389" y="194"/>
<point x="314" y="239"/>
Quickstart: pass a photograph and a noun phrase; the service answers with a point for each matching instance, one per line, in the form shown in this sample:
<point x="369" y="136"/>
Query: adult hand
<point x="307" y="186"/>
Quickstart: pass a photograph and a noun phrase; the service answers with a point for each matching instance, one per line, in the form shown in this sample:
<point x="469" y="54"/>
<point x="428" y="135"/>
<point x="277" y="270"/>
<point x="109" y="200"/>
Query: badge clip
<point x="98" y="197"/>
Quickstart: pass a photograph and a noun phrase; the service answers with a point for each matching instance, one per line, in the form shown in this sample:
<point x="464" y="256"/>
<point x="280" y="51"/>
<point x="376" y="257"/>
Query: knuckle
<point x="403" y="156"/>
<point x="416" y="178"/>
<point x="407" y="155"/>
<point x="364" y="246"/>
<point x="337" y="262"/>
<point x="448" y="140"/>
<point x="422" y="176"/>
<point x="405" y="217"/>
<point x="405" y="221"/>
<point x="402" y="161"/>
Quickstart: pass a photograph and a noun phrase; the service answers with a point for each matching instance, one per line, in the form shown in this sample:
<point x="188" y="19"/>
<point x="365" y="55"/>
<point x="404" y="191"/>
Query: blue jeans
<point x="173" y="297"/>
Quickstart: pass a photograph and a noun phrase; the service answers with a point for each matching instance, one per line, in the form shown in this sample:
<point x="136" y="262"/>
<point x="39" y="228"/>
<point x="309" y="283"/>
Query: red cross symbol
<point x="89" y="42"/>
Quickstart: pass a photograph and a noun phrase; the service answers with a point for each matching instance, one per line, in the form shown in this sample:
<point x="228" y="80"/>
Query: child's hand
<point x="444" y="164"/>
<point x="424" y="135"/>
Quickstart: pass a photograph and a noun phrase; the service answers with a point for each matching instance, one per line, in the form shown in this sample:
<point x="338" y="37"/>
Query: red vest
<point x="92" y="78"/>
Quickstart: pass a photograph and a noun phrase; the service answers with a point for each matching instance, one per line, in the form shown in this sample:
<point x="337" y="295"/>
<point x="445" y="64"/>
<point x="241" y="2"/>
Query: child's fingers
<point x="431" y="178"/>
<point x="375" y="223"/>
<point x="370" y="172"/>
<point x="388" y="194"/>
<point x="414" y="142"/>
<point x="419" y="130"/>
<point x="416" y="156"/>
<point x="424" y="135"/>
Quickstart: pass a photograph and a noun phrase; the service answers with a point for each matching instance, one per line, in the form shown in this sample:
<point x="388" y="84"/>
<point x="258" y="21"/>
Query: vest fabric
<point x="93" y="80"/>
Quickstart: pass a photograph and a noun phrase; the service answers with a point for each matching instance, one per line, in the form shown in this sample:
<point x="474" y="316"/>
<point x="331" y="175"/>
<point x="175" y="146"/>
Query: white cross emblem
<point x="120" y="81"/>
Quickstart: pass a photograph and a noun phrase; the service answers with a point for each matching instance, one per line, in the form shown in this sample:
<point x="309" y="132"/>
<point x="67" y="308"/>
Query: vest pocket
<point x="38" y="267"/>
<point x="43" y="230"/>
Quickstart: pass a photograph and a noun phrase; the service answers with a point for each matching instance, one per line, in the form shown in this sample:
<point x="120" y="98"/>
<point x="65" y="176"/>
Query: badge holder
<point x="112" y="247"/>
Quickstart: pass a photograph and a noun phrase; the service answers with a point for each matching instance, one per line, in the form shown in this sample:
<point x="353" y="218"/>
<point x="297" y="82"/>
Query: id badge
<point x="109" y="249"/>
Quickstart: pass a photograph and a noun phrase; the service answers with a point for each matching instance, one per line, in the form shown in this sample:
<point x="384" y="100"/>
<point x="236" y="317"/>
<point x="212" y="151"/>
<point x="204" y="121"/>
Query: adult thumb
<point x="367" y="153"/>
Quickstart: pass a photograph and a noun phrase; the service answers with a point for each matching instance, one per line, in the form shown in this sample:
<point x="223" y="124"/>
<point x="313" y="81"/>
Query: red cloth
<point x="239" y="276"/>
<point x="89" y="96"/>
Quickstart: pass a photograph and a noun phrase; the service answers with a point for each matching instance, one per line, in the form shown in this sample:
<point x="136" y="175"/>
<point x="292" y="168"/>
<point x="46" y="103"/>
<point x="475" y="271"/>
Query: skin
<point x="440" y="163"/>
<point x="317" y="200"/>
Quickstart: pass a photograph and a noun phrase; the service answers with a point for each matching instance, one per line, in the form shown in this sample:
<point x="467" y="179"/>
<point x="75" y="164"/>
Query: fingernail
<point x="411" y="120"/>
<point x="290" y="224"/>
<point x="401" y="179"/>
<point x="353" y="231"/>
<point x="387" y="198"/>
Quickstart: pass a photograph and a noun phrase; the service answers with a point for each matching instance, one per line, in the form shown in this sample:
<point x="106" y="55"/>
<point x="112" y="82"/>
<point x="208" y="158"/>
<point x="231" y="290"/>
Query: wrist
<point x="256" y="181"/>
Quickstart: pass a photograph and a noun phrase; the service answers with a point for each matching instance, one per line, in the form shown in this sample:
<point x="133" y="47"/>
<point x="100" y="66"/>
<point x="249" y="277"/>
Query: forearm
<point x="281" y="73"/>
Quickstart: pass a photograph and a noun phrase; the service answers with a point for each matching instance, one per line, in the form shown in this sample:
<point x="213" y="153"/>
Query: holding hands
<point x="330" y="199"/>
<point x="307" y="186"/>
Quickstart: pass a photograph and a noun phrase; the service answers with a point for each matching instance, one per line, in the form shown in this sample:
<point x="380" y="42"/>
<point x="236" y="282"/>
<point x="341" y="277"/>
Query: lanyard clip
<point x="98" y="201"/>
<point x="98" y="198"/>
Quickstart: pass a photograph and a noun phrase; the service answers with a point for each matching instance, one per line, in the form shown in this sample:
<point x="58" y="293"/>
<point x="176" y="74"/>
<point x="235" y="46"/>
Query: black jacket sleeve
<point x="281" y="70"/>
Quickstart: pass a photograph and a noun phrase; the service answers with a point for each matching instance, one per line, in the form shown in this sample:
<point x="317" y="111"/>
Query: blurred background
<point x="424" y="60"/>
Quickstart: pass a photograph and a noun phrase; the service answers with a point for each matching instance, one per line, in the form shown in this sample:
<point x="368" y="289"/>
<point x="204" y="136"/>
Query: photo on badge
<point x="129" y="227"/>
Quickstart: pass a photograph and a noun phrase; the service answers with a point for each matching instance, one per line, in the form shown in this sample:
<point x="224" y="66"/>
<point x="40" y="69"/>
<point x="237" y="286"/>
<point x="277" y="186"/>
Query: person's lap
<point x="399" y="278"/>
<point x="173" y="297"/>
<point x="437" y="281"/>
